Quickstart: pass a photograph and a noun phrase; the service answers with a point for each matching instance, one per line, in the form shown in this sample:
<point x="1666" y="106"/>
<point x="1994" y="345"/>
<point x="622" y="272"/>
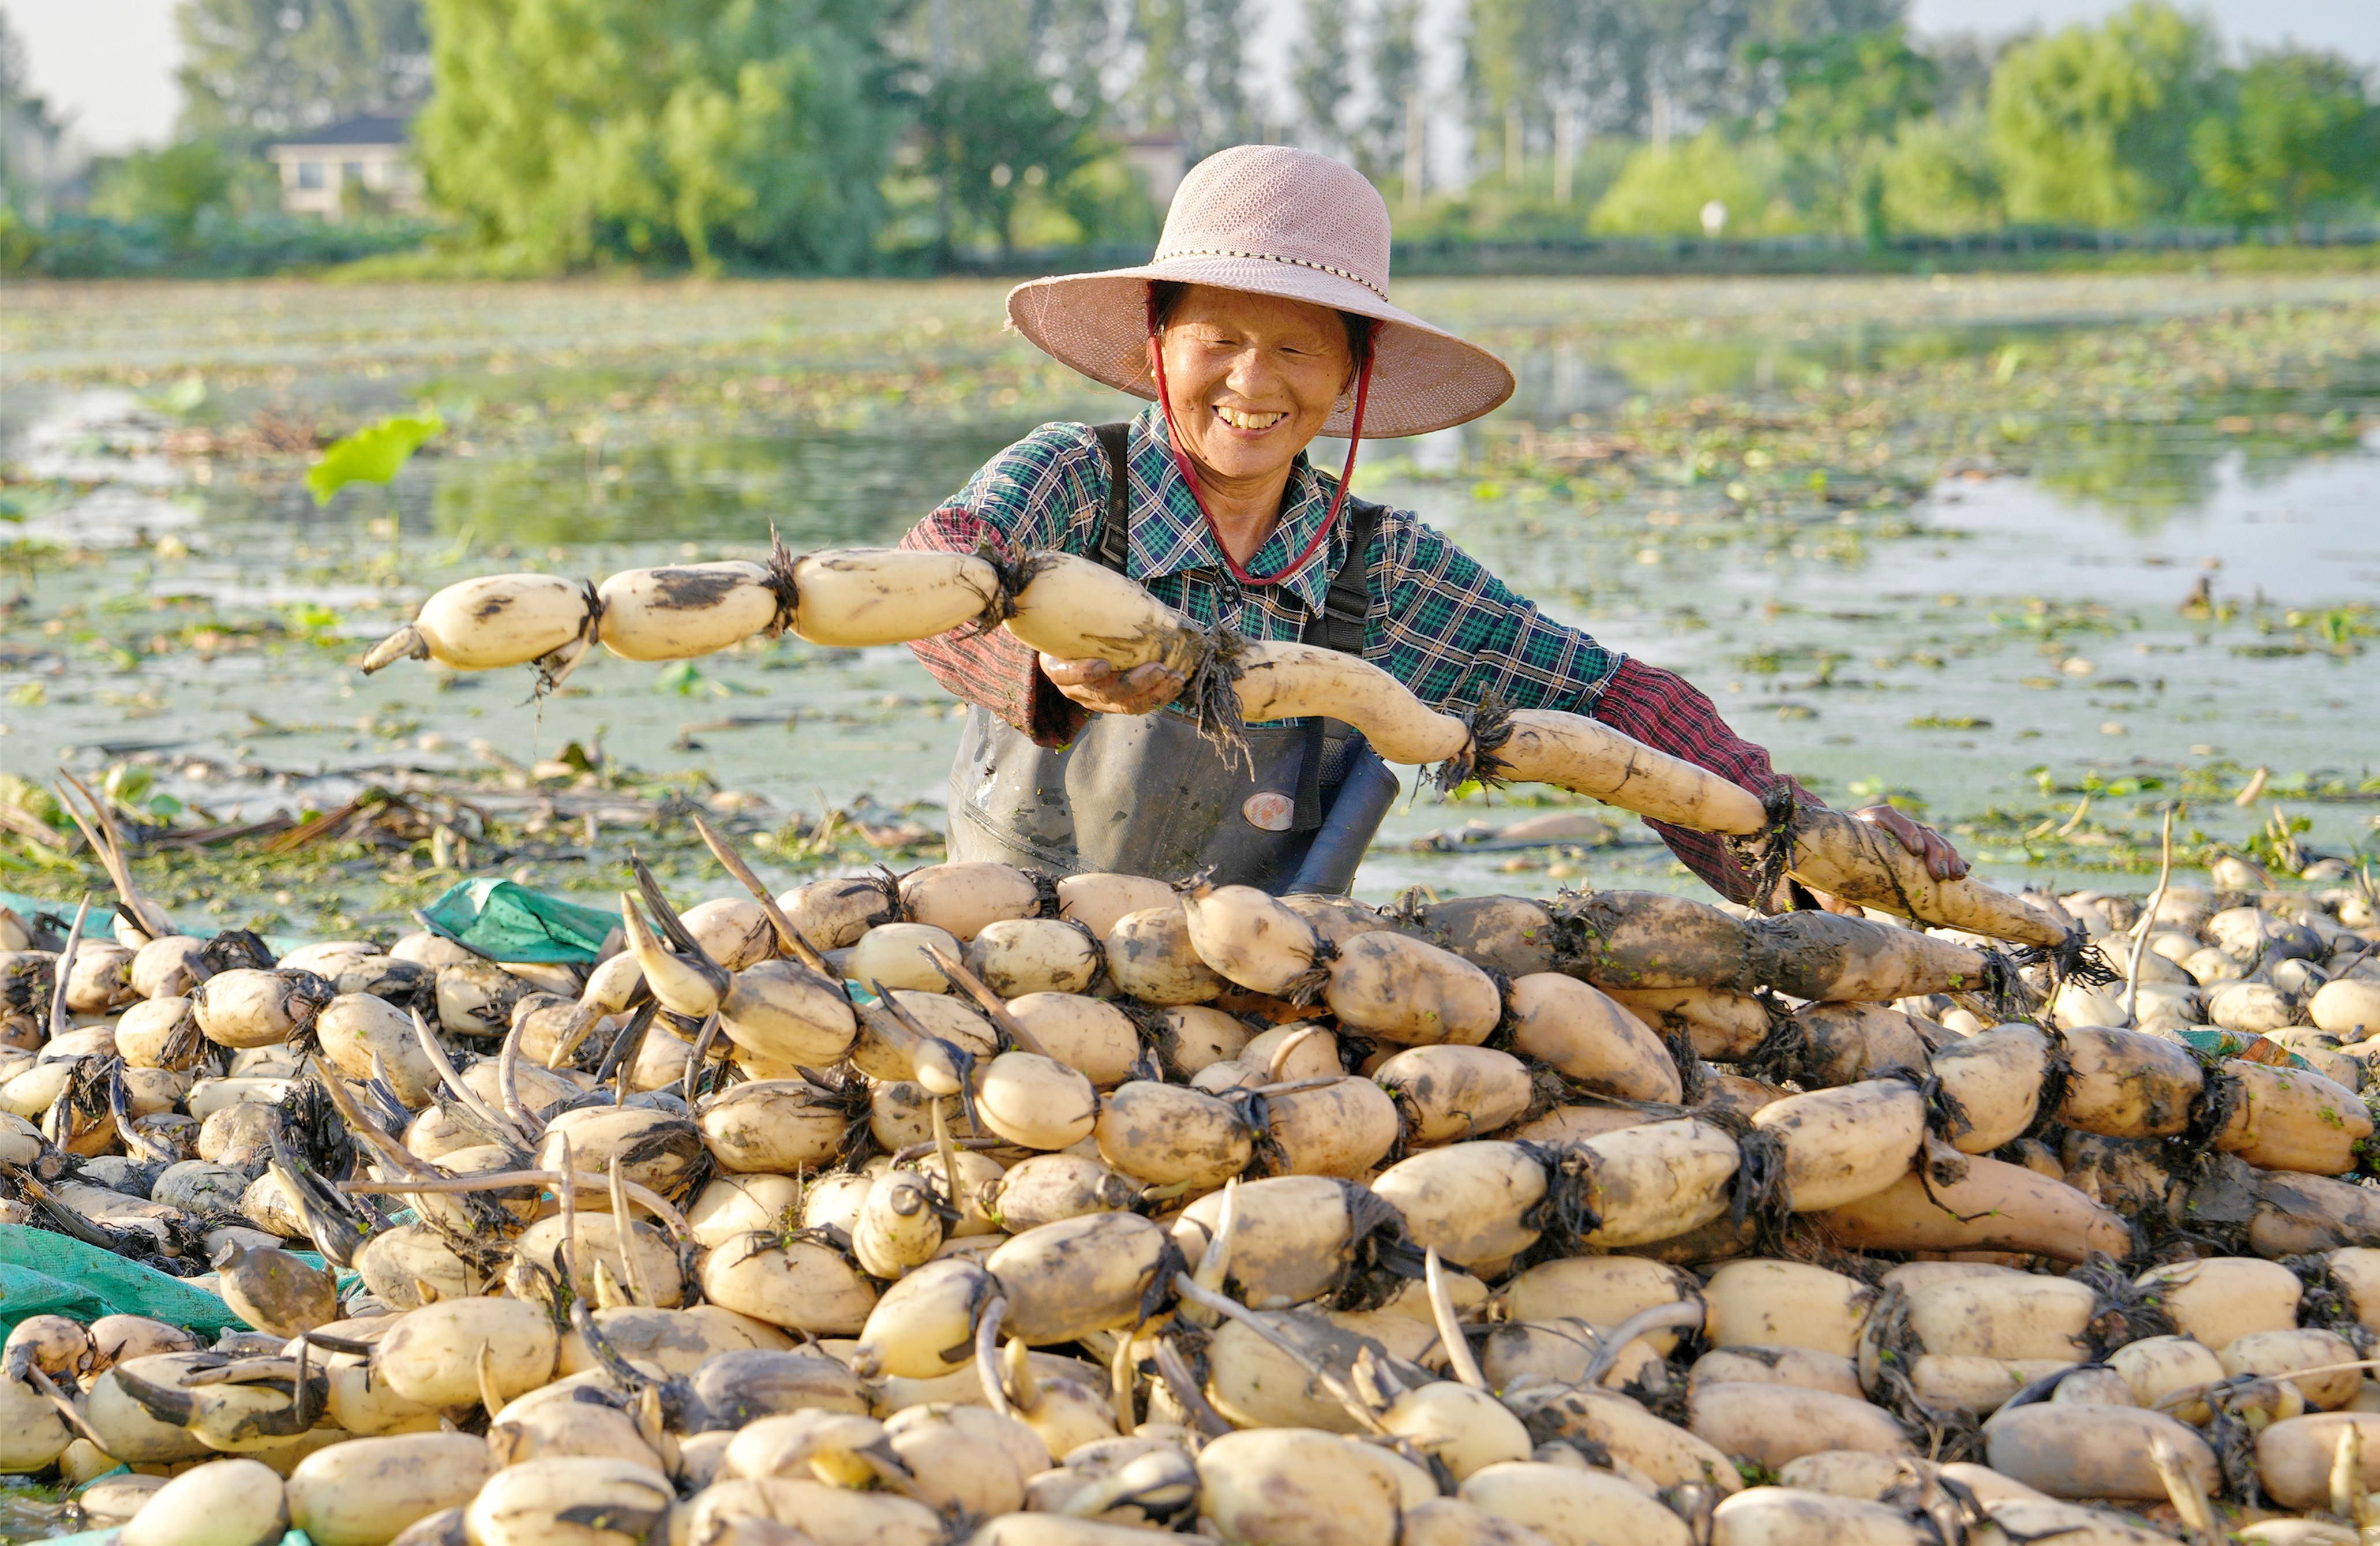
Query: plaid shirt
<point x="1439" y="621"/>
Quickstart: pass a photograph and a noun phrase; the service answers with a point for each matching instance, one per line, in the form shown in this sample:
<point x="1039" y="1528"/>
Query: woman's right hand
<point x="1100" y="688"/>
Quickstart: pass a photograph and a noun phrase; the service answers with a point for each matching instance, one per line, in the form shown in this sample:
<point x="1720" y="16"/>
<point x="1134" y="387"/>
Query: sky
<point x="107" y="66"/>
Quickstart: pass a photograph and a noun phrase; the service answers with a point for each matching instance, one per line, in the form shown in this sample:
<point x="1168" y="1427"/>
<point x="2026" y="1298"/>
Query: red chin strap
<point x="1190" y="474"/>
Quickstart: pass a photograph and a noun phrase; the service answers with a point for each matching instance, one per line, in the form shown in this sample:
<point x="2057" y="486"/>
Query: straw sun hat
<point x="1271" y="221"/>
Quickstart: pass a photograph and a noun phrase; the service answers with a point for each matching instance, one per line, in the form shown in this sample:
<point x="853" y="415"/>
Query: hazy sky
<point x="107" y="66"/>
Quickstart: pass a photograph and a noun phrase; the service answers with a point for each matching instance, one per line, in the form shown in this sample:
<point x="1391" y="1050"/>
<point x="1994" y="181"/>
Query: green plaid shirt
<point x="1439" y="621"/>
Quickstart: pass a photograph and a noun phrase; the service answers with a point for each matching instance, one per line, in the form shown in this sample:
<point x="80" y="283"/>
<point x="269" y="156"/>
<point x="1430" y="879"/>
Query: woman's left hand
<point x="1942" y="861"/>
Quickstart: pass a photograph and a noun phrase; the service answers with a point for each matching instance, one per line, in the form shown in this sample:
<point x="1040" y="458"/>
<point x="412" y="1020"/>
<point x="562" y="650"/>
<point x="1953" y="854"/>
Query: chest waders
<point x="1143" y="795"/>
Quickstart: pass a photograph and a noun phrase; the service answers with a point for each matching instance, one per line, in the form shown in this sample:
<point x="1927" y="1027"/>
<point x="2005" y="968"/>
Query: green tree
<point x="1637" y="67"/>
<point x="255" y="68"/>
<point x="1938" y="178"/>
<point x="174" y="187"/>
<point x="1393" y="61"/>
<point x="1846" y="95"/>
<point x="995" y="135"/>
<point x="1193" y="75"/>
<point x="2091" y="126"/>
<point x="30" y="133"/>
<point x="2300" y="132"/>
<point x="1104" y="200"/>
<point x="1320" y="75"/>
<point x="1662" y="191"/>
<point x="753" y="131"/>
<point x="1512" y="62"/>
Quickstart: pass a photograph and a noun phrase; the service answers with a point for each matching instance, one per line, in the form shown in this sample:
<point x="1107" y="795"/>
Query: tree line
<point x="847" y="136"/>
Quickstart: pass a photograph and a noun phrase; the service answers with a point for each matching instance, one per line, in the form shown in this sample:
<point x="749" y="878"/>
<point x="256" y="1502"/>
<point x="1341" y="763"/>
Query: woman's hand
<point x="1942" y="861"/>
<point x="1101" y="688"/>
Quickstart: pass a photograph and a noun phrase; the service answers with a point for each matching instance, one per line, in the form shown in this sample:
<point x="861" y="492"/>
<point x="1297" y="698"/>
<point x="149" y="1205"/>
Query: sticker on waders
<point x="1268" y="812"/>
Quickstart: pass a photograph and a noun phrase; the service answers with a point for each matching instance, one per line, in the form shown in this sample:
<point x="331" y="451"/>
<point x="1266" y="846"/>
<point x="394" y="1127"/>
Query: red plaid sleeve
<point x="990" y="668"/>
<point x="1669" y="713"/>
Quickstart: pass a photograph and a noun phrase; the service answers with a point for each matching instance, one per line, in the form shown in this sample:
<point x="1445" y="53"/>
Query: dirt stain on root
<point x="693" y="590"/>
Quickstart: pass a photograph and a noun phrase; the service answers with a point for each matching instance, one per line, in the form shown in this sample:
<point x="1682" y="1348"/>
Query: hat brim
<point x="1423" y="378"/>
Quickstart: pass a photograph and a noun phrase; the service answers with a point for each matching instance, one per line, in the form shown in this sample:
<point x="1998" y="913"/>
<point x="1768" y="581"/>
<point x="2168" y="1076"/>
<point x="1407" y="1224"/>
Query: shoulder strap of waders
<point x="1116" y="522"/>
<point x="1339" y="626"/>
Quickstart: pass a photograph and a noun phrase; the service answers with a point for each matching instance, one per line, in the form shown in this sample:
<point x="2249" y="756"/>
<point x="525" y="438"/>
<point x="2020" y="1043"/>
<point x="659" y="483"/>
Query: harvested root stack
<point x="1472" y="1245"/>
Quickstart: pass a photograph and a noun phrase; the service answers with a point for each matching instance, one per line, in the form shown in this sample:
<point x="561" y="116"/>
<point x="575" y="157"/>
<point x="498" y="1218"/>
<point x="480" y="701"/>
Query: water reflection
<point x="820" y="488"/>
<point x="2300" y="530"/>
<point x="1597" y="376"/>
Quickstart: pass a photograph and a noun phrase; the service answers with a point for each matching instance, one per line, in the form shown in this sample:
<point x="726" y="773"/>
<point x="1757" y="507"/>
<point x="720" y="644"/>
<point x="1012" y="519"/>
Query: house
<point x="348" y="168"/>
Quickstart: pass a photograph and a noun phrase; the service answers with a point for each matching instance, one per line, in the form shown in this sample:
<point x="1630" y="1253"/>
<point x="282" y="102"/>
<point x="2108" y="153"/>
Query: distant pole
<point x="1512" y="169"/>
<point x="1414" y="129"/>
<point x="1564" y="152"/>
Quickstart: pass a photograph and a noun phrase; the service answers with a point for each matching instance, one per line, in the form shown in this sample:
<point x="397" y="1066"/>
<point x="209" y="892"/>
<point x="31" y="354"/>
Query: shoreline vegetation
<point x="398" y="251"/>
<point x="801" y="137"/>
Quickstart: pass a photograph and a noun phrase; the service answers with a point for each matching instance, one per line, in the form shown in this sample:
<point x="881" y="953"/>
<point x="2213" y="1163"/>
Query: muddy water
<point x="1992" y="637"/>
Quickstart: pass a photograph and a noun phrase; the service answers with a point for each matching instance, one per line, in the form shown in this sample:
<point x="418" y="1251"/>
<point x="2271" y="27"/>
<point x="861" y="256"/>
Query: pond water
<point x="1992" y="545"/>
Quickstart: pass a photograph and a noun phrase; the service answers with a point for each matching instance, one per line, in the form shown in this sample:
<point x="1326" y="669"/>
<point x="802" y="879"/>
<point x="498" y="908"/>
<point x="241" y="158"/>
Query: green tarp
<point x="45" y="1273"/>
<point x="500" y="919"/>
<point x="2233" y="1043"/>
<point x="505" y="921"/>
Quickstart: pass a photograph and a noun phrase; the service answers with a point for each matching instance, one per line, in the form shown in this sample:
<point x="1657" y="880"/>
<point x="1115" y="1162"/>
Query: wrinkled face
<point x="1252" y="378"/>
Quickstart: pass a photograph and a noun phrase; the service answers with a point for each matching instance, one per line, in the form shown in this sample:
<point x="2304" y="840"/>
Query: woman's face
<point x="1251" y="378"/>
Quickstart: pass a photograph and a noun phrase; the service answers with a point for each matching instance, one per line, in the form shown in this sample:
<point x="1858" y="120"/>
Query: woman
<point x="1262" y="322"/>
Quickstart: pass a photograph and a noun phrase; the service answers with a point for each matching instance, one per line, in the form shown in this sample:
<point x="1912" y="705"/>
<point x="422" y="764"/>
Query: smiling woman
<point x="1262" y="322"/>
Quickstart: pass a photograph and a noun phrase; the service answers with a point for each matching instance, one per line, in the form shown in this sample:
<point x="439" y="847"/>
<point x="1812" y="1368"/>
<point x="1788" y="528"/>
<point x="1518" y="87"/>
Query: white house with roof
<point x="341" y="168"/>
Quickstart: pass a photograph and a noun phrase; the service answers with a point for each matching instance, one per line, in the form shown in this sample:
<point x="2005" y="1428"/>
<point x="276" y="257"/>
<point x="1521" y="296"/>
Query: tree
<point x="994" y="134"/>
<point x="1192" y="76"/>
<point x="569" y="131"/>
<point x="2301" y="130"/>
<point x="1846" y="95"/>
<point x="1512" y="64"/>
<point x="2091" y="126"/>
<point x="30" y="132"/>
<point x="255" y="68"/>
<point x="1662" y="191"/>
<point x="1394" y="66"/>
<point x="1643" y="66"/>
<point x="174" y="187"/>
<point x="1321" y="77"/>
<point x="1937" y="178"/>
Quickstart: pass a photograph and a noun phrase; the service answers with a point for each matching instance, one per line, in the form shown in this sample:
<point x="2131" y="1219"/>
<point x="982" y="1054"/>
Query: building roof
<point x="367" y="128"/>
